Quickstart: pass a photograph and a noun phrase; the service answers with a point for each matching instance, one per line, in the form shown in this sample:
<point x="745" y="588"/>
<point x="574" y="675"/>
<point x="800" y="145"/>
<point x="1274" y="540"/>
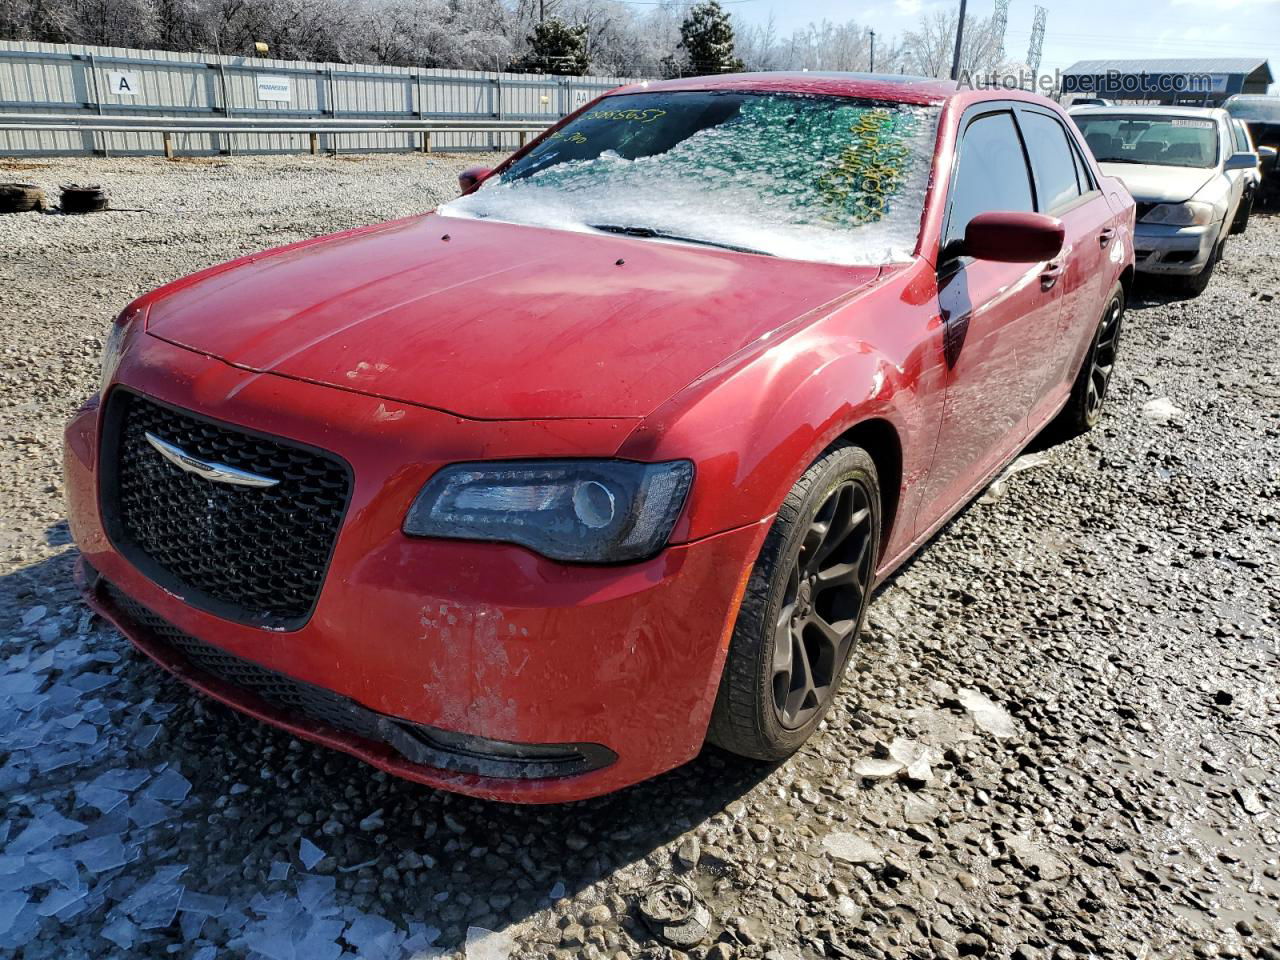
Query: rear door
<point x="1226" y="147"/>
<point x="990" y="311"/>
<point x="1244" y="144"/>
<point x="1065" y="189"/>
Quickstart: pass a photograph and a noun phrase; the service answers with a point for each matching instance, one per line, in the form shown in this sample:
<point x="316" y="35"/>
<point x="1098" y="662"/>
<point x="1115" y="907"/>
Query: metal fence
<point x="46" y="78"/>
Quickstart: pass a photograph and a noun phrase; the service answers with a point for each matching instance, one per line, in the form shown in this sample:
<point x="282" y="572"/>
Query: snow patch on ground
<point x="81" y="847"/>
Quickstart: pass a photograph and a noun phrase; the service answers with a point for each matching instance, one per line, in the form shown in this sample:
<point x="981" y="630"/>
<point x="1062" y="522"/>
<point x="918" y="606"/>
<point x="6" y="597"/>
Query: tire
<point x="20" y="198"/>
<point x="1241" y="223"/>
<point x="762" y="711"/>
<point x="1195" y="285"/>
<point x="1089" y="392"/>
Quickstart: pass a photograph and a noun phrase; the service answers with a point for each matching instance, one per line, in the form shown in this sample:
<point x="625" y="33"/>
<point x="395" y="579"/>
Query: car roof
<point x="873" y="86"/>
<point x="1205" y="113"/>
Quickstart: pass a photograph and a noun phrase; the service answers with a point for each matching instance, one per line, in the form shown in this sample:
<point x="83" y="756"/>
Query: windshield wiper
<point x="1123" y="160"/>
<point x="653" y="234"/>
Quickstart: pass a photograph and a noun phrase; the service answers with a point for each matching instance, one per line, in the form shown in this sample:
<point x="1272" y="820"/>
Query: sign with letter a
<point x="123" y="84"/>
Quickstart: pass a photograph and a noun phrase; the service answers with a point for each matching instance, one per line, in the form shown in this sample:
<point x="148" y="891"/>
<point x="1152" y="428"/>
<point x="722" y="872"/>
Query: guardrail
<point x="166" y="127"/>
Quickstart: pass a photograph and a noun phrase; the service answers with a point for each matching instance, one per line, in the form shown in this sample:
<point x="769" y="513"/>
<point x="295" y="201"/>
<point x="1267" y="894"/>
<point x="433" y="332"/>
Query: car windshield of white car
<point x="1160" y="141"/>
<point x="828" y="179"/>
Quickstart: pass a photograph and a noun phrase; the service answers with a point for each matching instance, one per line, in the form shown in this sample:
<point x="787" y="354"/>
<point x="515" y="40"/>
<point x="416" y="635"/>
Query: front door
<point x="990" y="311"/>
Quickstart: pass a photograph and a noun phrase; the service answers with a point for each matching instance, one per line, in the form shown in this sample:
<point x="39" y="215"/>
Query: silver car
<point x="1182" y="167"/>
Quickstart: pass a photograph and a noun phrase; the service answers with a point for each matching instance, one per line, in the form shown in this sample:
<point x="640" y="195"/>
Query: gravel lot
<point x="1082" y="670"/>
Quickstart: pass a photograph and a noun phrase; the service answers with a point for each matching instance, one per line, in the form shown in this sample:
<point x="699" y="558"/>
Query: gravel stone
<point x="1089" y="657"/>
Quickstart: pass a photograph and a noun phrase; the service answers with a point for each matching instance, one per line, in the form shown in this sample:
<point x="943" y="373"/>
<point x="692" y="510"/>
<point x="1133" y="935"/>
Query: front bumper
<point x="474" y="640"/>
<point x="1174" y="251"/>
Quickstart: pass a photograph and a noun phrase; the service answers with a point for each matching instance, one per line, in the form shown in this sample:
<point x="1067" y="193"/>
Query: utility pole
<point x="955" y="61"/>
<point x="873" y="51"/>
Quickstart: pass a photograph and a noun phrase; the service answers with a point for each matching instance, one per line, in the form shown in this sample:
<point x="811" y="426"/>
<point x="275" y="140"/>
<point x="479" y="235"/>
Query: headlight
<point x="1189" y="214"/>
<point x="113" y="349"/>
<point x="589" y="511"/>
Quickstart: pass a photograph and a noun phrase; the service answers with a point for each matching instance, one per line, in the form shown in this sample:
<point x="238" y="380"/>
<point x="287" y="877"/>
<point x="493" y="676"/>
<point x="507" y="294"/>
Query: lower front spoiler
<point x="476" y="766"/>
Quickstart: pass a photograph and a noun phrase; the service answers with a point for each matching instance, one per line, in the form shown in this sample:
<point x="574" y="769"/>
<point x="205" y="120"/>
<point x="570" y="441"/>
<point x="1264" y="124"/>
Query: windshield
<point x="1161" y="141"/>
<point x="828" y="179"/>
<point x="1255" y="109"/>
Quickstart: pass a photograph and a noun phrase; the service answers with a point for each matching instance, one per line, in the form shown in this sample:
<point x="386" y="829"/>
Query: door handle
<point x="1106" y="236"/>
<point x="1049" y="276"/>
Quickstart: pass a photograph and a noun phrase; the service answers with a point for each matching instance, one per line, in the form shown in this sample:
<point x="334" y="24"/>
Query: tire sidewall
<point x="848" y="463"/>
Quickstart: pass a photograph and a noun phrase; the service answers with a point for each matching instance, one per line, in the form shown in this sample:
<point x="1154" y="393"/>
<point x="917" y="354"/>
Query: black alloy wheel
<point x="803" y="609"/>
<point x="1102" y="359"/>
<point x="826" y="590"/>
<point x="1083" y="409"/>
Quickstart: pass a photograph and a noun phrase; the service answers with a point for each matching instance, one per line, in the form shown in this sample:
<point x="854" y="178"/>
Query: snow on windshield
<point x="809" y="178"/>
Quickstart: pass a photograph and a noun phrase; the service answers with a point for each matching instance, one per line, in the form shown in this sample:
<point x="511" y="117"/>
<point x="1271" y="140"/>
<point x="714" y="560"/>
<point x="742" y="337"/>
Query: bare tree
<point x="757" y="44"/>
<point x="621" y="39"/>
<point x="928" y="50"/>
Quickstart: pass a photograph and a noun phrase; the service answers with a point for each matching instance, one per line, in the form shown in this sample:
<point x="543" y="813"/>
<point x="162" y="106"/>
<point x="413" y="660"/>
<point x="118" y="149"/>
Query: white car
<point x="1182" y="167"/>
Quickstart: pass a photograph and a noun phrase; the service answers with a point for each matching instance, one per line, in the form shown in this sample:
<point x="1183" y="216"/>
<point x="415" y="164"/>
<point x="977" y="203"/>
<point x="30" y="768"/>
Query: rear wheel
<point x="802" y="611"/>
<point x="1089" y="392"/>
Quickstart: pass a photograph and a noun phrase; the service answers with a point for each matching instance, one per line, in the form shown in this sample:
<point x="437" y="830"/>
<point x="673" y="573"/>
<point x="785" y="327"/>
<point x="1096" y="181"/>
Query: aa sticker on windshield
<point x="1198" y="124"/>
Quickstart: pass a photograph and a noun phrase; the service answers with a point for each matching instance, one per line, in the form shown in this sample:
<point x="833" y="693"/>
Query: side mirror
<point x="469" y="178"/>
<point x="1241" y="161"/>
<point x="1014" y="237"/>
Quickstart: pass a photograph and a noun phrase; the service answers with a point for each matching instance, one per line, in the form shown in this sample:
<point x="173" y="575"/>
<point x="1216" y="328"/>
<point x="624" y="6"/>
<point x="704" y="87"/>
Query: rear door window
<point x="990" y="175"/>
<point x="1052" y="161"/>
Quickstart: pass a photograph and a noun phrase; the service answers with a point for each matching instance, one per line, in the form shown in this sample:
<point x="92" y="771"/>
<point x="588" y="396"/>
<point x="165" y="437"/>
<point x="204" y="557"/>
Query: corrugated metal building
<point x="52" y="78"/>
<point x="1181" y="80"/>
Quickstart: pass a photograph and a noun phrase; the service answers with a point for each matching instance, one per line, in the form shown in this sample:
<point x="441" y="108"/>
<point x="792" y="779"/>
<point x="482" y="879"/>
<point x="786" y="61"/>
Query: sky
<point x="1076" y="29"/>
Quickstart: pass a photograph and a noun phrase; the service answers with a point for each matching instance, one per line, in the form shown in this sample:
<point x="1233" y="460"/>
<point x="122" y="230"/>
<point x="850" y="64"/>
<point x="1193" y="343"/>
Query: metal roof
<point x="1240" y="65"/>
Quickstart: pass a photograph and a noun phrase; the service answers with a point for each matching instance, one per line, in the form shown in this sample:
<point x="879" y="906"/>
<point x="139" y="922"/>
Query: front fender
<point x="754" y="429"/>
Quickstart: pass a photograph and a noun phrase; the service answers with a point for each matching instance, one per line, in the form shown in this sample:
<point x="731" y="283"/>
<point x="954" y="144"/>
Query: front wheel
<point x="1089" y="392"/>
<point x="1241" y="223"/>
<point x="803" y="609"/>
<point x="1198" y="283"/>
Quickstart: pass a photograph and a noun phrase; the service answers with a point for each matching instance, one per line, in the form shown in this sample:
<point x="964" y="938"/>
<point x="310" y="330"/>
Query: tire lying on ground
<point x="20" y="197"/>
<point x="78" y="199"/>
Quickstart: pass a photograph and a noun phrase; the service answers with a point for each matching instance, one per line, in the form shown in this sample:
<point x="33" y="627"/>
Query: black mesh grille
<point x="255" y="555"/>
<point x="329" y="708"/>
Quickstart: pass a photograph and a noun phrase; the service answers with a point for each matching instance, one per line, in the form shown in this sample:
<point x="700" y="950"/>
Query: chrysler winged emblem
<point x="217" y="472"/>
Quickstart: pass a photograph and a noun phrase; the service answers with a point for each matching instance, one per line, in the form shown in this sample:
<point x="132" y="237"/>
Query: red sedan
<point x="531" y="496"/>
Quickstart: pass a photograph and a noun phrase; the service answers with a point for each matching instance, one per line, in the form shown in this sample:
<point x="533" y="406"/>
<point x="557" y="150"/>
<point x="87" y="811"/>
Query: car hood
<point x="491" y="320"/>
<point x="1149" y="183"/>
